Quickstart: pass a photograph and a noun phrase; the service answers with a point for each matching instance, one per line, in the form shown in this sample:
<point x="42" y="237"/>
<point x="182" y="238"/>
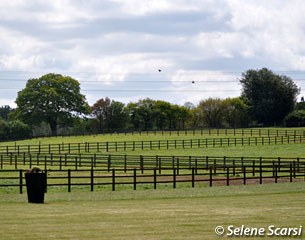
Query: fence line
<point x="109" y="161"/>
<point x="202" y="131"/>
<point x="212" y="175"/>
<point x="150" y="145"/>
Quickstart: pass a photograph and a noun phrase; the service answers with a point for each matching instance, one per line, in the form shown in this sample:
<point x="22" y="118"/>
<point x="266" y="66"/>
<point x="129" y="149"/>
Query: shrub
<point x="295" y="119"/>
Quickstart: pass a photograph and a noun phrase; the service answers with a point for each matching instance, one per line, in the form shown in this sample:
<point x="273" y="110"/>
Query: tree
<point x="4" y="112"/>
<point x="118" y="116"/>
<point x="270" y="96"/>
<point x="101" y="111"/>
<point x="212" y="111"/>
<point x="236" y="112"/>
<point x="53" y="99"/>
<point x="295" y="119"/>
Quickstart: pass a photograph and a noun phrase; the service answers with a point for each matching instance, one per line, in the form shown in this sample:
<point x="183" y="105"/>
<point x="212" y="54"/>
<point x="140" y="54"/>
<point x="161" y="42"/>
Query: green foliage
<point x="295" y="118"/>
<point x="270" y="96"/>
<point x="148" y="114"/>
<point x="52" y="98"/>
<point x="300" y="106"/>
<point x="216" y="112"/>
<point x="5" y="111"/>
<point x="14" y="130"/>
<point x="109" y="115"/>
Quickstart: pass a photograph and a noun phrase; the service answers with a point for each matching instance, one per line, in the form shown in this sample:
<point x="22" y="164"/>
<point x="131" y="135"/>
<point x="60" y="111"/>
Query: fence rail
<point x="210" y="176"/>
<point x="150" y="145"/>
<point x="203" y="131"/>
<point x="125" y="162"/>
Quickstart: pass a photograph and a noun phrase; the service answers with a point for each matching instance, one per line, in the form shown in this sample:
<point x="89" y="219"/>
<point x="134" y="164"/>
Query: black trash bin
<point x="35" y="185"/>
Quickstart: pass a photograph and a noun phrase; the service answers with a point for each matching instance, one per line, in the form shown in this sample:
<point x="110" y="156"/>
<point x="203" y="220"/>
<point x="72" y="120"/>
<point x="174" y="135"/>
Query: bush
<point x="14" y="130"/>
<point x="295" y="119"/>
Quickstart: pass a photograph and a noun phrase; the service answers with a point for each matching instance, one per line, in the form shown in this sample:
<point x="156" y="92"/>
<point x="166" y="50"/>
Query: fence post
<point x="290" y="170"/>
<point x="60" y="162"/>
<point x="92" y="179"/>
<point x="16" y="164"/>
<point x="174" y="177"/>
<point x="211" y="177"/>
<point x="244" y="174"/>
<point x="113" y="179"/>
<point x="30" y="160"/>
<point x="160" y="165"/>
<point x="45" y="162"/>
<point x="20" y="181"/>
<point x="193" y="177"/>
<point x="141" y="164"/>
<point x="260" y="174"/>
<point x="228" y="176"/>
<point x="69" y="180"/>
<point x="253" y="168"/>
<point x="275" y="174"/>
<point x="109" y="162"/>
<point x="134" y="179"/>
<point x="155" y="178"/>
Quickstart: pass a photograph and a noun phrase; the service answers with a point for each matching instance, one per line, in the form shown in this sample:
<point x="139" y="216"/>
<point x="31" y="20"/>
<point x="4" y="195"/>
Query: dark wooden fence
<point x="203" y="131"/>
<point x="210" y="176"/>
<point x="108" y="161"/>
<point x="150" y="145"/>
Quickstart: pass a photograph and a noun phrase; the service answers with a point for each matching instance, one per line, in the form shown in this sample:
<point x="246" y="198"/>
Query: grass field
<point x="165" y="213"/>
<point x="162" y="214"/>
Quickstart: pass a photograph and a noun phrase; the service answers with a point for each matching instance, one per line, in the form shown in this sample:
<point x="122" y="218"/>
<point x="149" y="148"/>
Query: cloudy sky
<point x="174" y="50"/>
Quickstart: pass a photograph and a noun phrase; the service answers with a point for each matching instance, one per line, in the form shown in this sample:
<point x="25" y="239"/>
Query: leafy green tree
<point x="270" y="96"/>
<point x="53" y="99"/>
<point x="212" y="111"/>
<point x="295" y="119"/>
<point x="4" y="112"/>
<point x="236" y="114"/>
<point x="118" y="116"/>
<point x="14" y="130"/>
<point x="101" y="111"/>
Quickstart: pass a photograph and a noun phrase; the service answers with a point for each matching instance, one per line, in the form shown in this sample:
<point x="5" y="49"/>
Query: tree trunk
<point x="53" y="126"/>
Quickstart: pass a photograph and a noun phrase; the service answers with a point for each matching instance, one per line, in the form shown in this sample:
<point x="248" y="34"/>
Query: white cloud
<point x="115" y="41"/>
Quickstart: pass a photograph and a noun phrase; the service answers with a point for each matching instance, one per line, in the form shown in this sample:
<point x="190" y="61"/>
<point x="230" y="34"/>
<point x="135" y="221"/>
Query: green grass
<point x="147" y="214"/>
<point x="165" y="213"/>
<point x="148" y="137"/>
<point x="280" y="150"/>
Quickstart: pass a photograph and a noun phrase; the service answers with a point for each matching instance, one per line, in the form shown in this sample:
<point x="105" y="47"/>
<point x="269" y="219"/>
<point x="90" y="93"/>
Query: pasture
<point x="163" y="212"/>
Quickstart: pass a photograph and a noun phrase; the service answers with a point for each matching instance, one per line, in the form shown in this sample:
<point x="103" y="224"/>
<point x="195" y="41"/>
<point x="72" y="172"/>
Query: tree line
<point x="53" y="104"/>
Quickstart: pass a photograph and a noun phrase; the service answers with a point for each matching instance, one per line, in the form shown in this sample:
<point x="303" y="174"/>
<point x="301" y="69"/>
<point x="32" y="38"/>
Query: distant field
<point x="158" y="135"/>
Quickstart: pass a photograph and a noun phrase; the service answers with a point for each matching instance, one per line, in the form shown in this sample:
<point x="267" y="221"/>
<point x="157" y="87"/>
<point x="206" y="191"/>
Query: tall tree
<point x="4" y="112"/>
<point x="212" y="111"/>
<point x="101" y="111"/>
<point x="53" y="99"/>
<point x="270" y="96"/>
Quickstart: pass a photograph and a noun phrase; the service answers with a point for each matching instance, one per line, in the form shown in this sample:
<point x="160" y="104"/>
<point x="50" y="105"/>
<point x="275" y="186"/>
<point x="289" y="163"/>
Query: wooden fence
<point x="108" y="161"/>
<point x="150" y="145"/>
<point x="213" y="175"/>
<point x="203" y="131"/>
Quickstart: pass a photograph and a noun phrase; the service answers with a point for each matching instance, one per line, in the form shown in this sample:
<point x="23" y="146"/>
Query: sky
<point x="173" y="50"/>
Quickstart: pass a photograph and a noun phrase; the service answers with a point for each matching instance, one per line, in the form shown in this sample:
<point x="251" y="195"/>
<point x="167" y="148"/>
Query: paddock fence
<point x="116" y="146"/>
<point x="154" y="178"/>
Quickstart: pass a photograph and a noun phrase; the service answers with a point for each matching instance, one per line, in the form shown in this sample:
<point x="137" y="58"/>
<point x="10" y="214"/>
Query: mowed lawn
<point x="152" y="214"/>
<point x="165" y="213"/>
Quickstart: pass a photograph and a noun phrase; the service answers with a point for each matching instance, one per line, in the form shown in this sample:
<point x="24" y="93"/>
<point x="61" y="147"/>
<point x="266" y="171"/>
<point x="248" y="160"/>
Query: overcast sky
<point x="116" y="48"/>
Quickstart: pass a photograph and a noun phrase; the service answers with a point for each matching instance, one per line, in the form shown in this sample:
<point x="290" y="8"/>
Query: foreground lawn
<point x="147" y="214"/>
